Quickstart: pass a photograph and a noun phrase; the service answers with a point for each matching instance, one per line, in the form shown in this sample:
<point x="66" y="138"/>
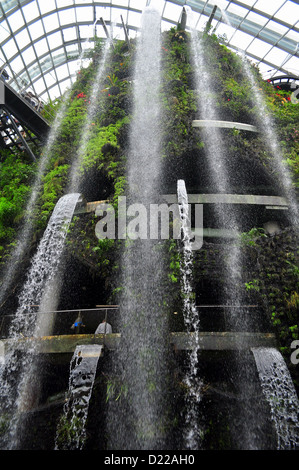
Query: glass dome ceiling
<point x="41" y="41"/>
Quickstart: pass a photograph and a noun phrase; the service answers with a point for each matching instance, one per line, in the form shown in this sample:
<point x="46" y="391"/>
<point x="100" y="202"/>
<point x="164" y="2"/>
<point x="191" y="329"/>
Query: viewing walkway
<point x="179" y="341"/>
<point x="207" y="341"/>
<point x="20" y="123"/>
<point x="23" y="110"/>
<point x="269" y="202"/>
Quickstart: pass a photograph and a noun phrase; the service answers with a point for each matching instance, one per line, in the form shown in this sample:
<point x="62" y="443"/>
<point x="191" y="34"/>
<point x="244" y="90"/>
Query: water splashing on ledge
<point x="71" y="434"/>
<point x="281" y="395"/>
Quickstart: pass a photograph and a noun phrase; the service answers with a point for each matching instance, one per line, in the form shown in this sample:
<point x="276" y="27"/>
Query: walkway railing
<point x="65" y="340"/>
<point x="96" y="314"/>
<point x="92" y="316"/>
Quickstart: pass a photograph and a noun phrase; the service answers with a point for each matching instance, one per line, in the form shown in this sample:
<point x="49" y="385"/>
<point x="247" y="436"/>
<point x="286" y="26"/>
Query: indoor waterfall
<point x="83" y="368"/>
<point x="42" y="287"/>
<point x="267" y="128"/>
<point x="74" y="178"/>
<point x="28" y="322"/>
<point x="192" y="429"/>
<point x="216" y="155"/>
<point x="141" y="357"/>
<point x="274" y="375"/>
<point x="281" y="395"/>
<point x="237" y="316"/>
<point x="167" y="378"/>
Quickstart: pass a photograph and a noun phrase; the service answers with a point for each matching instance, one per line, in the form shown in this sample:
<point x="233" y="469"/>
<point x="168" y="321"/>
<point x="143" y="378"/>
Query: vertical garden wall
<point x="270" y="275"/>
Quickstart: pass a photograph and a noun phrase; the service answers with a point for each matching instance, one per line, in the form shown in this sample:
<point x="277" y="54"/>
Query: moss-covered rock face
<point x="270" y="263"/>
<point x="277" y="284"/>
<point x="103" y="167"/>
<point x="105" y="157"/>
<point x="16" y="177"/>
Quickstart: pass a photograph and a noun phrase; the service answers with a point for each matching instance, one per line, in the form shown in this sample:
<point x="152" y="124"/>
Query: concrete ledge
<point x="180" y="340"/>
<point x="251" y="199"/>
<point x="270" y="202"/>
<point x="224" y="124"/>
<point x="85" y="208"/>
<point x="59" y="344"/>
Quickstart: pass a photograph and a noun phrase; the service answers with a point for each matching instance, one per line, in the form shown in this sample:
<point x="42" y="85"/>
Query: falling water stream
<point x="51" y="293"/>
<point x="83" y="368"/>
<point x="141" y="355"/>
<point x="275" y="378"/>
<point x="237" y="319"/>
<point x="192" y="429"/>
<point x="39" y="289"/>
<point x="140" y="360"/>
<point x="27" y="228"/>
<point x="92" y="109"/>
<point x="279" y="390"/>
<point x="267" y="128"/>
<point x="216" y="158"/>
<point x="42" y="288"/>
<point x="27" y="323"/>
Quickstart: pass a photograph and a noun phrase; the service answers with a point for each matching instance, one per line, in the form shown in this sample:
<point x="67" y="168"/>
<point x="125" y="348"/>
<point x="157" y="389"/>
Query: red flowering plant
<point x="81" y="95"/>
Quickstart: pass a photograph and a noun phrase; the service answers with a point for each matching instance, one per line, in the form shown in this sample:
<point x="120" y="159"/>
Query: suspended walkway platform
<point x="213" y="341"/>
<point x="21" y="123"/>
<point x="23" y="111"/>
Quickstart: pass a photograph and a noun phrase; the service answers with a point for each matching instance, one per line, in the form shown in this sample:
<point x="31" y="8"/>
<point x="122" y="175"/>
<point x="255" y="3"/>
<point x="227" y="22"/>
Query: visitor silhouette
<point x="78" y="324"/>
<point x="103" y="328"/>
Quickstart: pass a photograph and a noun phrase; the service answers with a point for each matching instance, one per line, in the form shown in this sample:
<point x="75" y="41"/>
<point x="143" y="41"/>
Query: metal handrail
<point x="100" y="308"/>
<point x="227" y="306"/>
<point x="116" y="307"/>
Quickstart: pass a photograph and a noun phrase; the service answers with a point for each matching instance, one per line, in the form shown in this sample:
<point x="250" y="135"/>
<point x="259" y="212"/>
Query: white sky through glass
<point x="41" y="40"/>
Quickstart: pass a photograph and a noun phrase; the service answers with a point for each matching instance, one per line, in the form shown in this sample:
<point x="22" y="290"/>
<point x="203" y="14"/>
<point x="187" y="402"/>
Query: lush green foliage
<point x="286" y="118"/>
<point x="16" y="177"/>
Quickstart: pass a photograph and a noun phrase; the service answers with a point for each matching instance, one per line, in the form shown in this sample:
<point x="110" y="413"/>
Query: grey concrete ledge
<point x="224" y="124"/>
<point x="268" y="201"/>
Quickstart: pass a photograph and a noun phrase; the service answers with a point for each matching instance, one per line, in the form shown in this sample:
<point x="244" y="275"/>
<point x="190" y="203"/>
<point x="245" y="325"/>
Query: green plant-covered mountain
<point x="270" y="260"/>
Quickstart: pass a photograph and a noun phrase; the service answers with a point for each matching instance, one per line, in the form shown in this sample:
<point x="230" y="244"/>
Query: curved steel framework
<point x="42" y="42"/>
